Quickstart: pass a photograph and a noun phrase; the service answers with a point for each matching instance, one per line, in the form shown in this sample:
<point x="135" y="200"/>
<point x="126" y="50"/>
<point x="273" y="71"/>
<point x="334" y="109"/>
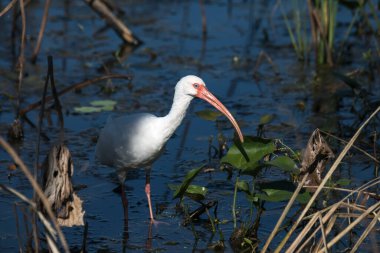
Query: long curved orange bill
<point x="206" y="95"/>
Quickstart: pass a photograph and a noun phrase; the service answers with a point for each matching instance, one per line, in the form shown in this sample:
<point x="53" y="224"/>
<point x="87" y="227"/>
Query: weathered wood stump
<point x="58" y="170"/>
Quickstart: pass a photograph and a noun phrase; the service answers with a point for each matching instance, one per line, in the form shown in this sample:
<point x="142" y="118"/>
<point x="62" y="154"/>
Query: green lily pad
<point x="179" y="193"/>
<point x="87" y="109"/>
<point x="103" y="103"/>
<point x="194" y="192"/>
<point x="280" y="190"/>
<point x="96" y="106"/>
<point x="284" y="163"/>
<point x="171" y="243"/>
<point x="207" y="114"/>
<point x="277" y="195"/>
<point x="253" y="150"/>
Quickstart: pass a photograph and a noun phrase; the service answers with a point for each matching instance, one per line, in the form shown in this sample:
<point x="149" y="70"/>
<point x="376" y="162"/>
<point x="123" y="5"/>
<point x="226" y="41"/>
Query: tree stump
<point x="58" y="169"/>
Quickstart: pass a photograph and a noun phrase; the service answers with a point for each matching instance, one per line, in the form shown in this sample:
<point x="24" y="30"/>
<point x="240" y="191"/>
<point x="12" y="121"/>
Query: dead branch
<point x="8" y="7"/>
<point x="42" y="30"/>
<point x="21" y="56"/>
<point x="121" y="29"/>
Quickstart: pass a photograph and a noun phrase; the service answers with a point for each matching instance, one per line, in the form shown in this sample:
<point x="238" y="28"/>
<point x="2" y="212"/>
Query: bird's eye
<point x="196" y="85"/>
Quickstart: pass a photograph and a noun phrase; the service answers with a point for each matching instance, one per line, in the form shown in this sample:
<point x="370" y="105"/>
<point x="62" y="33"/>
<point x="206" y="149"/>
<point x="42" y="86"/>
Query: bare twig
<point x="17" y="228"/>
<point x="51" y="233"/>
<point x="57" y="103"/>
<point x="284" y="213"/>
<point x="42" y="30"/>
<point x="204" y="20"/>
<point x="21" y="56"/>
<point x="373" y="208"/>
<point x="37" y="189"/>
<point x="8" y="7"/>
<point x="354" y="146"/>
<point x="371" y="194"/>
<point x="122" y="30"/>
<point x="264" y="56"/>
<point x="366" y="232"/>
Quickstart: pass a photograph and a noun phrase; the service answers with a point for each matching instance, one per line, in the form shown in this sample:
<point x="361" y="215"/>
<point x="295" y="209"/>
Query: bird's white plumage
<point x="136" y="140"/>
<point x="129" y="142"/>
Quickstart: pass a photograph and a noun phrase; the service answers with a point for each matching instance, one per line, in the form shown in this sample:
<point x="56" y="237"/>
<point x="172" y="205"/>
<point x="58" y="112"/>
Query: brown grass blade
<point x="366" y="232"/>
<point x="353" y="224"/>
<point x="37" y="189"/>
<point x="325" y="179"/>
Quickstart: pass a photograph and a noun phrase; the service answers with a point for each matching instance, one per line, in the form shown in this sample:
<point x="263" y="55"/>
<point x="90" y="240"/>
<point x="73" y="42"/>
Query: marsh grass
<point x="298" y="33"/>
<point x="321" y="223"/>
<point x="319" y="35"/>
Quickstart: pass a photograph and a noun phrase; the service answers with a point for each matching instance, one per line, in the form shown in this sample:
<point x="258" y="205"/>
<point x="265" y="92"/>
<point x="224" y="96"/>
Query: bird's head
<point x="195" y="87"/>
<point x="191" y="85"/>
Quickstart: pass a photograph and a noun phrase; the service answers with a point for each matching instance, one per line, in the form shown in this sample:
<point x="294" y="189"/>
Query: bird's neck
<point x="177" y="113"/>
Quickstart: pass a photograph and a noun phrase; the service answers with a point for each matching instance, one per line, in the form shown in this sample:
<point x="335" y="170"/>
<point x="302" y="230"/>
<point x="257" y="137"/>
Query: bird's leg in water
<point x="147" y="192"/>
<point x="148" y="243"/>
<point x="124" y="200"/>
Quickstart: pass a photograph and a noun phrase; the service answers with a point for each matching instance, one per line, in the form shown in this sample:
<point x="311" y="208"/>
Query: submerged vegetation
<point x="276" y="192"/>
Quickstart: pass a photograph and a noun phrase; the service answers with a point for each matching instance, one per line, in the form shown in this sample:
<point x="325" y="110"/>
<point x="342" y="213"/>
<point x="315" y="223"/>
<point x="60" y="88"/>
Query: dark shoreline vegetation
<point x="300" y="77"/>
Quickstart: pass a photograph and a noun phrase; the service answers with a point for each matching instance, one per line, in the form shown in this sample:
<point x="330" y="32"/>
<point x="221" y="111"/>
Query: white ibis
<point x="136" y="141"/>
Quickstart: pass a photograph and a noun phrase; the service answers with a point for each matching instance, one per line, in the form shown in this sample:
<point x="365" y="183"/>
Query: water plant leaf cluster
<point x="250" y="158"/>
<point x="193" y="191"/>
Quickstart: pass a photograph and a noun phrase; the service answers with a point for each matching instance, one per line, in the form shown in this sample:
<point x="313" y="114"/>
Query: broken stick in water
<point x="122" y="30"/>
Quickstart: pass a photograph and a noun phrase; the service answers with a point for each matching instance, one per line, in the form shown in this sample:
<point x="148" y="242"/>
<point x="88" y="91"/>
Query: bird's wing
<point x="116" y="139"/>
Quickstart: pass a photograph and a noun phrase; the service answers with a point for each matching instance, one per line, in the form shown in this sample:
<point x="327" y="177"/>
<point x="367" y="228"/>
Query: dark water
<point x="237" y="31"/>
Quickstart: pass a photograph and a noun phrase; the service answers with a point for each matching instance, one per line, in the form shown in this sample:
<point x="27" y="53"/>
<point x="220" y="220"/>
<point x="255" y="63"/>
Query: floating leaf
<point x="179" y="193"/>
<point x="207" y="114"/>
<point x="267" y="118"/>
<point x="171" y="243"/>
<point x="103" y="103"/>
<point x="280" y="190"/>
<point x="284" y="163"/>
<point x="275" y="195"/>
<point x="255" y="149"/>
<point x="97" y="106"/>
<point x="87" y="109"/>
